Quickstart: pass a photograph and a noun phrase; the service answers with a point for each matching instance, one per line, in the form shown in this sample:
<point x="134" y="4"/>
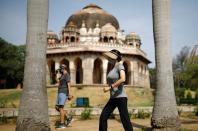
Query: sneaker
<point x="61" y="126"/>
<point x="68" y="121"/>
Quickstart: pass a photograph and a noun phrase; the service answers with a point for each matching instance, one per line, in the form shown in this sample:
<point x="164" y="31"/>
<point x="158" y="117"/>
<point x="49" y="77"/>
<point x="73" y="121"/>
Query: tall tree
<point x="11" y="64"/>
<point x="181" y="59"/>
<point x="165" y="115"/>
<point x="33" y="110"/>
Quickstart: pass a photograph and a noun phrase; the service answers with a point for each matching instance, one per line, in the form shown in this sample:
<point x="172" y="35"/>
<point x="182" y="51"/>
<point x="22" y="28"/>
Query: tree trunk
<point x="165" y="115"/>
<point x="33" y="110"/>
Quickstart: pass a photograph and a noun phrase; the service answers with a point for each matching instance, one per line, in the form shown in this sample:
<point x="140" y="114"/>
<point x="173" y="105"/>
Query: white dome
<point x="108" y="28"/>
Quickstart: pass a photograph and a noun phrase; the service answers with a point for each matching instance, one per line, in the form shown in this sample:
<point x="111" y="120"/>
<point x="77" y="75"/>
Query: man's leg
<point x="60" y="108"/>
<point x="108" y="109"/>
<point x="62" y="114"/>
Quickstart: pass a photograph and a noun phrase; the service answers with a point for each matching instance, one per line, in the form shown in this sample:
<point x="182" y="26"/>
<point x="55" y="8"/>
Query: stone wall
<point x="13" y="112"/>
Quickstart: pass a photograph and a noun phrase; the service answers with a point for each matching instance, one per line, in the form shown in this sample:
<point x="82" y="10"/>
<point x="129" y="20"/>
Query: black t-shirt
<point x="63" y="86"/>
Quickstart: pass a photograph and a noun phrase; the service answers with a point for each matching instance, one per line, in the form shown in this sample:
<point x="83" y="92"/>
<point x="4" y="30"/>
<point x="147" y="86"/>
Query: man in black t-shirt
<point x="63" y="94"/>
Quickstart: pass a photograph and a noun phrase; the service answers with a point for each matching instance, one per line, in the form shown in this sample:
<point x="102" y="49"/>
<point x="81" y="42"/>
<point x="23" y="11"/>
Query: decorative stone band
<point x="96" y="47"/>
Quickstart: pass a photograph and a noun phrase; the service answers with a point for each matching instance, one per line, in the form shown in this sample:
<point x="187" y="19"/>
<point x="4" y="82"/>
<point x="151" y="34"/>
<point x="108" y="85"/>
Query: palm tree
<point x="33" y="110"/>
<point x="165" y="115"/>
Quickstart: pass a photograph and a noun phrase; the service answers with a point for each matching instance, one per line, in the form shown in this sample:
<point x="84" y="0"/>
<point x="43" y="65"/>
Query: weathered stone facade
<point x="81" y="48"/>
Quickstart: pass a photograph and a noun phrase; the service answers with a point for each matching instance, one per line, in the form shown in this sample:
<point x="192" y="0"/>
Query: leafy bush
<point x="179" y="112"/>
<point x="130" y="114"/>
<point x="179" y="92"/>
<point x="3" y="119"/>
<point x="188" y="95"/>
<point x="196" y="95"/>
<point x="188" y="101"/>
<point x="196" y="111"/>
<point x="141" y="114"/>
<point x="3" y="103"/>
<point x="86" y="114"/>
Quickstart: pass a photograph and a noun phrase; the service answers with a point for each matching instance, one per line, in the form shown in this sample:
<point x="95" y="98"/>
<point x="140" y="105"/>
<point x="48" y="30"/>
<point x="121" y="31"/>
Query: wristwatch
<point x="111" y="86"/>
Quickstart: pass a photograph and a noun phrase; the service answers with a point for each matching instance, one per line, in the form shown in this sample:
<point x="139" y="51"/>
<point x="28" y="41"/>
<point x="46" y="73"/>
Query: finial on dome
<point x="97" y="24"/>
<point x="92" y="6"/>
<point x="83" y="24"/>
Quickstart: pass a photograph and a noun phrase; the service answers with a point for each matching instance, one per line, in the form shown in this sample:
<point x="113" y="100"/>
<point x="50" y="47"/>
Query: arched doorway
<point x="51" y="65"/>
<point x="127" y="72"/>
<point x="97" y="72"/>
<point x="67" y="39"/>
<point x="79" y="71"/>
<point x="111" y="40"/>
<point x="72" y="39"/>
<point x="105" y="39"/>
<point x="66" y="62"/>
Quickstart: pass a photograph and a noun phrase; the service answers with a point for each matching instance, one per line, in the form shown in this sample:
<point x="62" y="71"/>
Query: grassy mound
<point x="136" y="97"/>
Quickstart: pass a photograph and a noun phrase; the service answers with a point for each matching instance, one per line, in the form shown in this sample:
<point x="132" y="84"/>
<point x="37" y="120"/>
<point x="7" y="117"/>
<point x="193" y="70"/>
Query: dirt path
<point x="90" y="125"/>
<point x="77" y="125"/>
<point x="113" y="125"/>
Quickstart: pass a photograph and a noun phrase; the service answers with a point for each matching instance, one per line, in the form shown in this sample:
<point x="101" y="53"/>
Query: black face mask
<point x="111" y="61"/>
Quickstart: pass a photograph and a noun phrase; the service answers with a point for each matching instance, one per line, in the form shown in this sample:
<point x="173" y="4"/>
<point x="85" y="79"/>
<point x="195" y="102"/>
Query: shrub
<point x="130" y="114"/>
<point x="141" y="114"/>
<point x="180" y="92"/>
<point x="3" y="103"/>
<point x="179" y="112"/>
<point x="188" y="101"/>
<point x="86" y="114"/>
<point x="3" y="119"/>
<point x="189" y="95"/>
<point x="196" y="111"/>
<point x="71" y="113"/>
<point x="196" y="95"/>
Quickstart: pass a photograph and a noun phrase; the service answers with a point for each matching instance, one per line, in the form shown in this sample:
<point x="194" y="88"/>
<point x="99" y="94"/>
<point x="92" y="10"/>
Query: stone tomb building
<point x="86" y="35"/>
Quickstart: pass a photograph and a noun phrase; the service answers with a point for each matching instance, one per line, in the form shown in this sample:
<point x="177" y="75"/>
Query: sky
<point x="132" y="15"/>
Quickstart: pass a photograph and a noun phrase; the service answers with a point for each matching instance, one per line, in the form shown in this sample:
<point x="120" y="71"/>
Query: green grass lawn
<point x="9" y="98"/>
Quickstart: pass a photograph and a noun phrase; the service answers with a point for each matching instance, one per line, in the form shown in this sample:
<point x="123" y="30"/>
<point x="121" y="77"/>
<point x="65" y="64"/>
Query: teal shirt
<point x="112" y="77"/>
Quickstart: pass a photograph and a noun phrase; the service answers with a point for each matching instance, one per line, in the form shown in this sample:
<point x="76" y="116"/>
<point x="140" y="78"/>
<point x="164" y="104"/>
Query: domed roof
<point x="51" y="34"/>
<point x="108" y="28"/>
<point x="71" y="24"/>
<point x="91" y="15"/>
<point x="133" y="35"/>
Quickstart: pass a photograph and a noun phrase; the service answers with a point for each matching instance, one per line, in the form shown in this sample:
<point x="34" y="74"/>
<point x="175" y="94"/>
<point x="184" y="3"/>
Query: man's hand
<point x="70" y="97"/>
<point x="106" y="89"/>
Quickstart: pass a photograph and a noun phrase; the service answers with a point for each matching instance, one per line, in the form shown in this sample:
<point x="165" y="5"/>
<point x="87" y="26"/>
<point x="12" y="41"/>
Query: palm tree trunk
<point x="33" y="110"/>
<point x="165" y="115"/>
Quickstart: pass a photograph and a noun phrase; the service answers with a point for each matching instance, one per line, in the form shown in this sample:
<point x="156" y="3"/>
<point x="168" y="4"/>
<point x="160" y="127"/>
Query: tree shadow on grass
<point x="142" y="127"/>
